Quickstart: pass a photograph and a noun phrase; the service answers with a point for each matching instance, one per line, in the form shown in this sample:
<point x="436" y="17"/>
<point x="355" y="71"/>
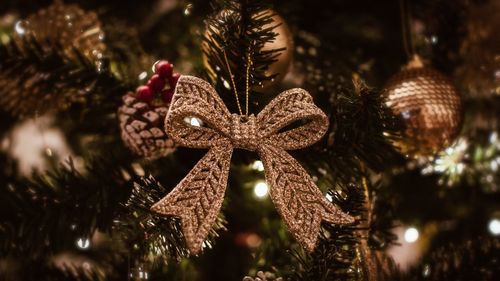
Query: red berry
<point x="145" y="93"/>
<point x="157" y="83"/>
<point x="164" y="69"/>
<point x="173" y="80"/>
<point x="167" y="95"/>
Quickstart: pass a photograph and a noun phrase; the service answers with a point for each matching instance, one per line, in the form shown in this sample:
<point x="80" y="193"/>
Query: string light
<point x="329" y="197"/>
<point x="143" y="75"/>
<point x="258" y="166"/>
<point x="494" y="227"/>
<point x="451" y="159"/>
<point x="226" y="84"/>
<point x="140" y="274"/>
<point x="19" y="27"/>
<point x="83" y="243"/>
<point x="206" y="244"/>
<point x="411" y="235"/>
<point x="261" y="189"/>
<point x="450" y="163"/>
<point x="188" y="9"/>
<point x="193" y="121"/>
<point x="143" y="275"/>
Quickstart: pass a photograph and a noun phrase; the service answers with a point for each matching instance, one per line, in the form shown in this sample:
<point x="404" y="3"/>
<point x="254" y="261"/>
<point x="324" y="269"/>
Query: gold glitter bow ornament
<point x="197" y="199"/>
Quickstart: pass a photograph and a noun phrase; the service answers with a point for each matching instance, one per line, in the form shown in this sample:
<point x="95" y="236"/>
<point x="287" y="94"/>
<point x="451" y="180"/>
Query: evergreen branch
<point x="352" y="252"/>
<point x="50" y="212"/>
<point x="382" y="218"/>
<point x="361" y="126"/>
<point x="475" y="259"/>
<point x="239" y="29"/>
<point x="335" y="255"/>
<point x="36" y="79"/>
<point x="362" y="129"/>
<point x="127" y="57"/>
<point x="146" y="231"/>
<point x="72" y="268"/>
<point x="163" y="237"/>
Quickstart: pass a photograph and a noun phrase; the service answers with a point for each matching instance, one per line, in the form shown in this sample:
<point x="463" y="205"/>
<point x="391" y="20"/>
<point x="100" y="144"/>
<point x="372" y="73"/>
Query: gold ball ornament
<point x="429" y="106"/>
<point x="61" y="28"/>
<point x="66" y="25"/>
<point x="283" y="40"/>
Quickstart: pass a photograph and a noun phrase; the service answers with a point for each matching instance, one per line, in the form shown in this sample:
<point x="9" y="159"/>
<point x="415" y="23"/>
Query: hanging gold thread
<point x="406" y="21"/>
<point x="249" y="64"/>
<point x="233" y="83"/>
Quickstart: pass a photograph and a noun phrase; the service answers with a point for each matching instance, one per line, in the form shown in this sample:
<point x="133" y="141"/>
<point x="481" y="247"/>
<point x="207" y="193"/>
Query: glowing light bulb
<point x="411" y="235"/>
<point x="494" y="227"/>
<point x="193" y="121"/>
<point x="20" y="27"/>
<point x="188" y="9"/>
<point x="143" y="275"/>
<point x="261" y="189"/>
<point x="258" y="166"/>
<point x="143" y="75"/>
<point x="83" y="243"/>
<point x="206" y="244"/>
<point x="329" y="197"/>
<point x="226" y="84"/>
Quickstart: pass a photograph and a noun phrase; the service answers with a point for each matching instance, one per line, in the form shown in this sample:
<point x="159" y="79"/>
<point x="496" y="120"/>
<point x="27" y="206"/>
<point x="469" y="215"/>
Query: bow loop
<point x="297" y="198"/>
<point x="195" y="97"/>
<point x="292" y="107"/>
<point x="198" y="198"/>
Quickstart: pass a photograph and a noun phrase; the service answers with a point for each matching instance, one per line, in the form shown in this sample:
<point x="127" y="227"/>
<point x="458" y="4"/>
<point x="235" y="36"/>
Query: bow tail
<point x="298" y="200"/>
<point x="197" y="199"/>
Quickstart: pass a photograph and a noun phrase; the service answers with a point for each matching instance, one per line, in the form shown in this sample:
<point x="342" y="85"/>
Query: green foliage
<point x="238" y="30"/>
<point x="51" y="211"/>
<point x="35" y="79"/>
<point x="109" y="199"/>
<point x="475" y="259"/>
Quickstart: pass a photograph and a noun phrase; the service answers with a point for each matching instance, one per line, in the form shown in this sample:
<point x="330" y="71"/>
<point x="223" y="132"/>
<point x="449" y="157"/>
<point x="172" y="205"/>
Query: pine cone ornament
<point x="37" y="78"/>
<point x="142" y="127"/>
<point x="67" y="26"/>
<point x="429" y="105"/>
<point x="263" y="276"/>
<point x="143" y="114"/>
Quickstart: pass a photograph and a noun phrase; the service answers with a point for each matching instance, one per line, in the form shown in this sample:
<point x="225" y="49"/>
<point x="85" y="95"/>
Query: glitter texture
<point x="430" y="107"/>
<point x="141" y="127"/>
<point x="69" y="26"/>
<point x="197" y="199"/>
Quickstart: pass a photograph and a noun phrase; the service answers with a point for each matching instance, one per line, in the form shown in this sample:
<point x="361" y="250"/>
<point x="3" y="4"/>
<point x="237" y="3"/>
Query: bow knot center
<point x="244" y="132"/>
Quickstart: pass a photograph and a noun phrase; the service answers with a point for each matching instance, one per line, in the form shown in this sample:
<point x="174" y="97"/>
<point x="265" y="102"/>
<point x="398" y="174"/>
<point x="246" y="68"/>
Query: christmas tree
<point x="249" y="140"/>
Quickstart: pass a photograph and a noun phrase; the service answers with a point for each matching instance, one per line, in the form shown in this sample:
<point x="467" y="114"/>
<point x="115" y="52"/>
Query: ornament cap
<point x="415" y="62"/>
